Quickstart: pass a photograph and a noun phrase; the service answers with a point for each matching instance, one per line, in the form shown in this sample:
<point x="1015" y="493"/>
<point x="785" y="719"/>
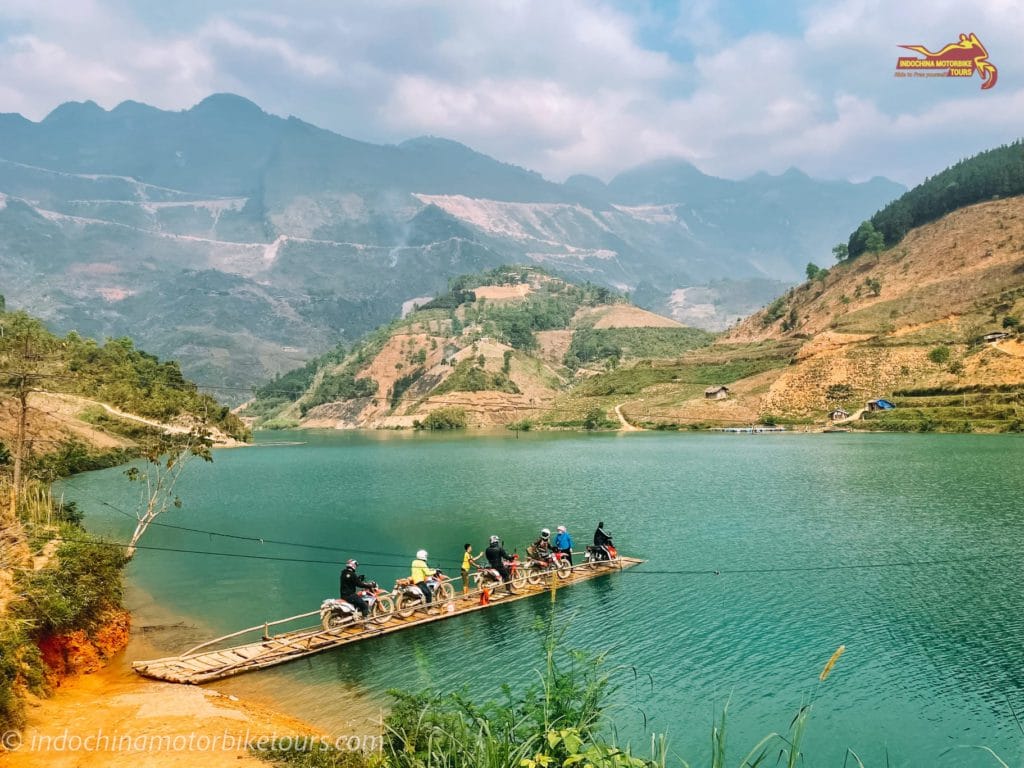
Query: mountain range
<point x="243" y="244"/>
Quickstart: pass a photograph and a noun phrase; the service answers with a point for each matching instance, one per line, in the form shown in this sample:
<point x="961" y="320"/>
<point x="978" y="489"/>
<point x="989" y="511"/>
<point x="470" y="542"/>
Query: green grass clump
<point x="557" y="722"/>
<point x="78" y="591"/>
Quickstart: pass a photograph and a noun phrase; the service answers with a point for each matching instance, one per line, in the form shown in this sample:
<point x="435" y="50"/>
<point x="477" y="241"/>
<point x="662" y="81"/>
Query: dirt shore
<point x="114" y="718"/>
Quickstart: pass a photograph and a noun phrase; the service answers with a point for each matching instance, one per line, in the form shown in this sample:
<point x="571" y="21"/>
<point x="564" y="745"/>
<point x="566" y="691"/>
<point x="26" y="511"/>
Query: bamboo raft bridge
<point x="214" y="660"/>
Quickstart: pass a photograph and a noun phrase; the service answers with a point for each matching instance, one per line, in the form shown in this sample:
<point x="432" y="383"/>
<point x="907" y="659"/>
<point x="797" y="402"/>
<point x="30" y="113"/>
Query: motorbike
<point x="337" y="612"/>
<point x="600" y="554"/>
<point x="486" y="577"/>
<point x="540" y="565"/>
<point x="409" y="598"/>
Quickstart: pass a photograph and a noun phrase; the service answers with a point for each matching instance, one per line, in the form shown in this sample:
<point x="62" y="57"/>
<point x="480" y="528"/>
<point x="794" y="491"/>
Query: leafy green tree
<point x="875" y="242"/>
<point x="594" y="418"/>
<point x="1011" y="323"/>
<point x="866" y="238"/>
<point x="812" y="270"/>
<point x="841" y="251"/>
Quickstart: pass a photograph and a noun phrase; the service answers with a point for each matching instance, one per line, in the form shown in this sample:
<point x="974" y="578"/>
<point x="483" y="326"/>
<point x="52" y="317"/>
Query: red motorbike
<point x="489" y="578"/>
<point x="539" y="566"/>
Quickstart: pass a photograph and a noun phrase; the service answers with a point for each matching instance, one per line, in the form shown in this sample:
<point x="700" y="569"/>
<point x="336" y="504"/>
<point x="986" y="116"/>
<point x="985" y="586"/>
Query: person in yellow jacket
<point x="420" y="573"/>
<point x="467" y="559"/>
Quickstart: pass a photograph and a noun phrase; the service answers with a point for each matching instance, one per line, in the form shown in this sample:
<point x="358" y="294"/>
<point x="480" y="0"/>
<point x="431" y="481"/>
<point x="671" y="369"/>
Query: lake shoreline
<point x="129" y="717"/>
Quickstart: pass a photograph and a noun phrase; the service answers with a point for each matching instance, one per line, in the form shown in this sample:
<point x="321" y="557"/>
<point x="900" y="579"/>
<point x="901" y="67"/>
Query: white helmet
<point x="495" y="539"/>
<point x="421" y="555"/>
<point x="544" y="533"/>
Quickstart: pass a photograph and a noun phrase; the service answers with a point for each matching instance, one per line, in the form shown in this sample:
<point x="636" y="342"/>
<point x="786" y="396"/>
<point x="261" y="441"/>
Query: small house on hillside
<point x="716" y="393"/>
<point x="839" y="414"/>
<point x="880" y="405"/>
<point x="993" y="337"/>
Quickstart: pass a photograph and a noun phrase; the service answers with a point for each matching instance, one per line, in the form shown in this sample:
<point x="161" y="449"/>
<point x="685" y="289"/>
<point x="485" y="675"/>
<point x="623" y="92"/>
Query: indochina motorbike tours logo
<point x="960" y="59"/>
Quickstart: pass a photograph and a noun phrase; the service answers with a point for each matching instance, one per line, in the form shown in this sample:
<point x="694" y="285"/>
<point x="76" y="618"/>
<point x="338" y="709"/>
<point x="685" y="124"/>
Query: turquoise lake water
<point x="935" y="652"/>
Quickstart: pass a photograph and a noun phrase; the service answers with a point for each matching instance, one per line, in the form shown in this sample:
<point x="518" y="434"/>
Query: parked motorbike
<point x="537" y="567"/>
<point x="336" y="612"/>
<point x="602" y="554"/>
<point x="409" y="598"/>
<point x="489" y="578"/>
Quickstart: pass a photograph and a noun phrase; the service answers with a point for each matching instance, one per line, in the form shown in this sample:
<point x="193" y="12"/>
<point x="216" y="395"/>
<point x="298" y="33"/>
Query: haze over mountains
<point x="242" y="244"/>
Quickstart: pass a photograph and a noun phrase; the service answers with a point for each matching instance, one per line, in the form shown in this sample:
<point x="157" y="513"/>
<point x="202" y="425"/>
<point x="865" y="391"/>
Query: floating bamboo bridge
<point x="215" y="659"/>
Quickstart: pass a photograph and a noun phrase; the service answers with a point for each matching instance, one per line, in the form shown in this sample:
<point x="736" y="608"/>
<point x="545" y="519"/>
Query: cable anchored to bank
<point x="833" y="567"/>
<point x="639" y="570"/>
<point x="254" y="539"/>
<point x="124" y="545"/>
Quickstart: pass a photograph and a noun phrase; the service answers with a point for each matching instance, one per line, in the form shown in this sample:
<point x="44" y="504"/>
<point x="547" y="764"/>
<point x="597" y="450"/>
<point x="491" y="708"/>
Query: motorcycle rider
<point x="496" y="557"/>
<point x="349" y="585"/>
<point x="542" y="546"/>
<point x="420" y="573"/>
<point x="601" y="539"/>
<point x="563" y="543"/>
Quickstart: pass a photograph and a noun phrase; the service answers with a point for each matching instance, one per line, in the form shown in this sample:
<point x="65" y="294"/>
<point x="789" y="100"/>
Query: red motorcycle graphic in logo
<point x="961" y="59"/>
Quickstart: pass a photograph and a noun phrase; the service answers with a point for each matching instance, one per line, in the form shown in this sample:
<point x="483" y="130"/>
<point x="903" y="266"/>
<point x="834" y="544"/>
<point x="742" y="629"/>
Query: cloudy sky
<point x="559" y="86"/>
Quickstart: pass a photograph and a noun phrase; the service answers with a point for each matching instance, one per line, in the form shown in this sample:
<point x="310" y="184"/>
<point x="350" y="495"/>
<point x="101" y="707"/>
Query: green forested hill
<point x="996" y="173"/>
<point x="41" y="364"/>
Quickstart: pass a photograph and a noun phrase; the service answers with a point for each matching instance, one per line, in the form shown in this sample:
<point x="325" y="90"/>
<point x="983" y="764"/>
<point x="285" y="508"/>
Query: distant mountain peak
<point x="71" y="111"/>
<point x="228" y="103"/>
<point x="671" y="164"/>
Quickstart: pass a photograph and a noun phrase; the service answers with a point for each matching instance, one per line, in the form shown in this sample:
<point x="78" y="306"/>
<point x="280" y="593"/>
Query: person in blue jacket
<point x="563" y="543"/>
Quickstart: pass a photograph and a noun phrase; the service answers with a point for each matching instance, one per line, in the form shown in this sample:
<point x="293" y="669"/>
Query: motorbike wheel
<point x="519" y="578"/>
<point x="534" y="574"/>
<point x="382" y="610"/>
<point x="563" y="569"/>
<point x="444" y="593"/>
<point x="406" y="606"/>
<point x="331" y="620"/>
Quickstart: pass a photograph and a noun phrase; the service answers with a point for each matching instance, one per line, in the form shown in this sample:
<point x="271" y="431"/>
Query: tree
<point x="812" y="270"/>
<point x="866" y="238"/>
<point x="26" y="349"/>
<point x="875" y="242"/>
<point x="594" y="418"/>
<point x="166" y="456"/>
<point x="841" y="251"/>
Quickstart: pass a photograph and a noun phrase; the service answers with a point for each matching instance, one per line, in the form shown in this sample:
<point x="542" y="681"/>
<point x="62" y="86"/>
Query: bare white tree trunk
<point x="161" y="478"/>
